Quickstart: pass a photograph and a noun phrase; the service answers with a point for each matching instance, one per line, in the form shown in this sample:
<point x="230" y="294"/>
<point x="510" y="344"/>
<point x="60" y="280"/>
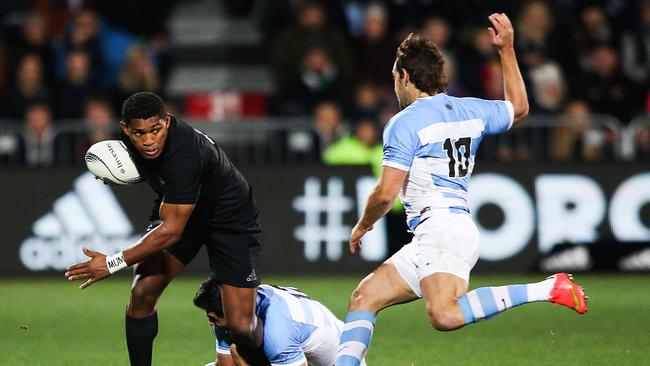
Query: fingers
<point x="493" y="33"/>
<point x="79" y="276"/>
<point x="75" y="272"/>
<point x="87" y="283"/>
<point x="76" y="266"/>
<point x="355" y="246"/>
<point x="88" y="252"/>
<point x="500" y="21"/>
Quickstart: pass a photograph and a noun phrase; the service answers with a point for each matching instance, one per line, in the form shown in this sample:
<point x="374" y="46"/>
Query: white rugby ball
<point x="111" y="162"/>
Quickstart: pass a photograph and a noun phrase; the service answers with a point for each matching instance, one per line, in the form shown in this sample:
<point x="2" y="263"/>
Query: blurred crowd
<point x="586" y="65"/>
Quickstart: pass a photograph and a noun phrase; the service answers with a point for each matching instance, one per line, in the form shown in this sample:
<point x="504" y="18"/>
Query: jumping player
<point x="429" y="152"/>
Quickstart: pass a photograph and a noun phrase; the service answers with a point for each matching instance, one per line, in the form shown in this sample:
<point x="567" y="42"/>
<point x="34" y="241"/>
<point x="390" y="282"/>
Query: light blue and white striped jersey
<point x="291" y="326"/>
<point x="435" y="139"/>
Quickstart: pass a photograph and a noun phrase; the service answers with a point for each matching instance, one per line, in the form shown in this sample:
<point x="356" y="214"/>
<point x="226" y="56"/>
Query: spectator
<point x="29" y="87"/>
<point x="33" y="40"/>
<point x="602" y="84"/>
<point x="542" y="74"/>
<point x="635" y="49"/>
<point x="481" y="74"/>
<point x="328" y="123"/>
<point x="592" y="31"/>
<point x="39" y="136"/>
<point x="576" y="137"/>
<point x="362" y="147"/>
<point x="73" y="91"/>
<point x="367" y="102"/>
<point x="375" y="51"/>
<point x="312" y="29"/>
<point x="99" y="122"/>
<point x="318" y="80"/>
<point x="138" y="74"/>
<point x="83" y="35"/>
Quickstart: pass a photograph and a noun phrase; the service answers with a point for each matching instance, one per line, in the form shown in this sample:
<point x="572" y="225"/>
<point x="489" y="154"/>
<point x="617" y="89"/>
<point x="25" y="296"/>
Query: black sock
<point x="140" y="333"/>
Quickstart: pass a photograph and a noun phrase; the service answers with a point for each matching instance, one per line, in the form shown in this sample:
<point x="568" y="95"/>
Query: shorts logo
<point x="251" y="277"/>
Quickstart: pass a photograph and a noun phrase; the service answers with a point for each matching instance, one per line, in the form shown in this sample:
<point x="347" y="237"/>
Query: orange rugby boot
<point x="566" y="292"/>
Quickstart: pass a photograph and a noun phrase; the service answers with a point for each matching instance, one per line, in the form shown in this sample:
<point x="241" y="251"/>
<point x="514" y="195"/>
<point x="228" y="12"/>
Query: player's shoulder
<point x="401" y="121"/>
<point x="181" y="140"/>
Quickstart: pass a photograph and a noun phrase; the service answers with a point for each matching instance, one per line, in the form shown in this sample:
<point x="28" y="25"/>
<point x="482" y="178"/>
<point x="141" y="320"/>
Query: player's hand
<point x="93" y="269"/>
<point x="501" y="33"/>
<point x="355" y="237"/>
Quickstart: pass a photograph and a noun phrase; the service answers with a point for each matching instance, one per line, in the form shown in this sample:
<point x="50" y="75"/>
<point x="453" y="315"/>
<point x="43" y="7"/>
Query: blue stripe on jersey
<point x="458" y="209"/>
<point x="453" y="195"/>
<point x="413" y="223"/>
<point x="442" y="181"/>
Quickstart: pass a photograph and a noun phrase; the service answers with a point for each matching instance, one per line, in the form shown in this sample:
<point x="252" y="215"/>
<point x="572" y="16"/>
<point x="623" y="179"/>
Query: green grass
<point x="50" y="322"/>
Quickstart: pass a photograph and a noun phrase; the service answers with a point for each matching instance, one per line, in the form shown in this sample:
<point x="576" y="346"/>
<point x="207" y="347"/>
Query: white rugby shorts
<point x="447" y="243"/>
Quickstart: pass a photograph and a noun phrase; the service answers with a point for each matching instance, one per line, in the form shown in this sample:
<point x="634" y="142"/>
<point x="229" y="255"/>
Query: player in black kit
<point x="203" y="200"/>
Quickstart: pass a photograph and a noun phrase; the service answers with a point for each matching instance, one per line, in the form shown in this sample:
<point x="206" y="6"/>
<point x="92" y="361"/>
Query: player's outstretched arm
<point x="503" y="34"/>
<point x="379" y="203"/>
<point x="173" y="220"/>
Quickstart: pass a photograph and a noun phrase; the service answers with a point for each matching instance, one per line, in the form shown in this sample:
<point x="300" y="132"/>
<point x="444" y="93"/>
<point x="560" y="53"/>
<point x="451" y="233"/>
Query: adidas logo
<point x="638" y="261"/>
<point x="89" y="215"/>
<point x="574" y="259"/>
<point x="251" y="277"/>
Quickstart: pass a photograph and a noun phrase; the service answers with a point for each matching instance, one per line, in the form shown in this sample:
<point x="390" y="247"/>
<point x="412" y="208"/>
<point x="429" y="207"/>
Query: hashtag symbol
<point x="334" y="204"/>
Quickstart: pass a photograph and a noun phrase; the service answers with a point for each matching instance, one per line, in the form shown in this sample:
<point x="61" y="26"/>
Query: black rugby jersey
<point x="193" y="169"/>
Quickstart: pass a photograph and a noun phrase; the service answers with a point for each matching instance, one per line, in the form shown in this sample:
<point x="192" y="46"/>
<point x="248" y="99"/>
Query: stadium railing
<point x="294" y="140"/>
<point x="636" y="140"/>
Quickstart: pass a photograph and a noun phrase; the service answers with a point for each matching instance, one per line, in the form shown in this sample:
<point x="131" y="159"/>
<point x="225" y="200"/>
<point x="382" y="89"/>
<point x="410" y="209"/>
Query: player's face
<point x="214" y="319"/>
<point x="148" y="135"/>
<point x="400" y="89"/>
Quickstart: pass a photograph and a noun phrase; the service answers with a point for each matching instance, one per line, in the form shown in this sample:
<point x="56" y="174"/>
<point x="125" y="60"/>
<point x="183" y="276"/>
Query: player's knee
<point x="445" y="319"/>
<point x="362" y="299"/>
<point x="144" y="296"/>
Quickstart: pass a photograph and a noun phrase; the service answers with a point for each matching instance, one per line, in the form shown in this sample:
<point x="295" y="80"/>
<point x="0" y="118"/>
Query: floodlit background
<point x="298" y="94"/>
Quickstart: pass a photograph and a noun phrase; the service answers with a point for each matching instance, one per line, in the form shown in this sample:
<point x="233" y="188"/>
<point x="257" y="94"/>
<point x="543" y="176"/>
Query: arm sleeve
<point x="282" y="343"/>
<point x="223" y="340"/>
<point x="498" y="116"/>
<point x="182" y="181"/>
<point x="399" y="145"/>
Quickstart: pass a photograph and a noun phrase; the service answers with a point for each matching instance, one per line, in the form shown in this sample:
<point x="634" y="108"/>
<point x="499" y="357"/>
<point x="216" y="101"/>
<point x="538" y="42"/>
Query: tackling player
<point x="203" y="200"/>
<point x="297" y="330"/>
<point x="429" y="152"/>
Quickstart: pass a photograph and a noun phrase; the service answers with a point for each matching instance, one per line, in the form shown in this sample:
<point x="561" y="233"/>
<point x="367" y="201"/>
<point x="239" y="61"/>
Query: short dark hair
<point x="423" y="62"/>
<point x="208" y="297"/>
<point x="142" y="105"/>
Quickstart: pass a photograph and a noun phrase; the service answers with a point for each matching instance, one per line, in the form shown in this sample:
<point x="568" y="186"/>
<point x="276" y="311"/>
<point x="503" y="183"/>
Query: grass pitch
<point x="52" y="322"/>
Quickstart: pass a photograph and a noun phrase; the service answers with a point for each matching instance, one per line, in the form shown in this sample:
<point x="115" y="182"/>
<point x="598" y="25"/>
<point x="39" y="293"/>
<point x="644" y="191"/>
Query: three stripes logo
<point x="89" y="215"/>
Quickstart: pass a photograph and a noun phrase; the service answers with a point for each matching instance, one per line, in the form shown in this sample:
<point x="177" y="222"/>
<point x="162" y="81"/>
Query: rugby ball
<point x="111" y="162"/>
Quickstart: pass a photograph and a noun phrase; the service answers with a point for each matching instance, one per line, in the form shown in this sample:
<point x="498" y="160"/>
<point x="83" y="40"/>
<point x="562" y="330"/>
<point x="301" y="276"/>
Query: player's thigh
<point x="382" y="288"/>
<point x="446" y="244"/>
<point x="235" y="258"/>
<point x="239" y="309"/>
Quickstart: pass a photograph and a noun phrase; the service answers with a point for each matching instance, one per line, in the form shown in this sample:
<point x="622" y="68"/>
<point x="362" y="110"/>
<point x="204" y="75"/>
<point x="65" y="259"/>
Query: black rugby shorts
<point x="234" y="257"/>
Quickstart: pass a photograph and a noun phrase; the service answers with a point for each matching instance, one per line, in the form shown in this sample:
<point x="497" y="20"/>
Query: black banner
<point x="531" y="217"/>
